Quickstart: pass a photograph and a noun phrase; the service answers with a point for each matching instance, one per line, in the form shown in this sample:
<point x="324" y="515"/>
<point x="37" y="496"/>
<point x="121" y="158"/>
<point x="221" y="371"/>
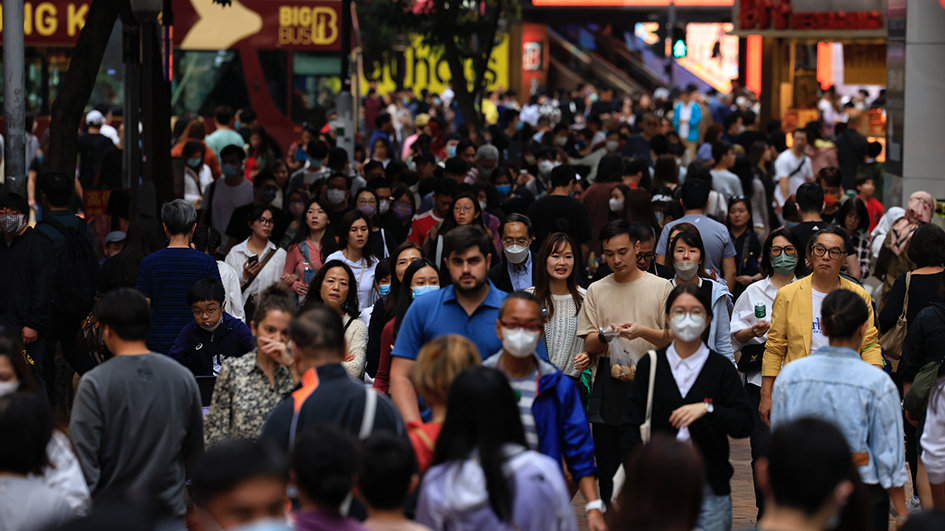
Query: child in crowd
<point x="386" y="476"/>
<point x="864" y="190"/>
<point x="213" y="334"/>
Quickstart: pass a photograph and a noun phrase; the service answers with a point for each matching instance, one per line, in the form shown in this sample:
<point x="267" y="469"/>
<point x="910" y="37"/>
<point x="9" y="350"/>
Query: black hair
<point x="927" y="246"/>
<point x="734" y="201"/>
<point x="610" y="169"/>
<point x="693" y="290"/>
<point x="233" y="150"/>
<point x="372" y="165"/>
<point x="405" y="298"/>
<point x="743" y="170"/>
<point x="329" y="243"/>
<point x="392" y="298"/>
<point x="659" y="144"/>
<point x="555" y="243"/>
<point x="256" y="213"/>
<point x="855" y="205"/>
<point x="807" y="459"/>
<point x="874" y="149"/>
<point x="829" y="177"/>
<point x="317" y="150"/>
<point x="58" y="188"/>
<point x="126" y="312"/>
<point x="325" y="460"/>
<point x="644" y="231"/>
<point x="728" y="122"/>
<point x="378" y="182"/>
<point x="634" y="166"/>
<point x="518" y="218"/>
<point x="247" y="115"/>
<point x="206" y="239"/>
<point x="193" y="147"/>
<point x="25" y="430"/>
<point x="720" y="149"/>
<point x="692" y="239"/>
<point x="456" y="166"/>
<point x="861" y="179"/>
<point x="344" y="228"/>
<point x="387" y="146"/>
<point x="765" y="266"/>
<point x="695" y="193"/>
<point x="223" y="114"/>
<point x="387" y="466"/>
<point x="206" y="289"/>
<point x="15" y="202"/>
<point x="482" y="416"/>
<point x="748" y="117"/>
<point x="318" y="327"/>
<point x="260" y="180"/>
<point x="460" y="239"/>
<point x="615" y="228"/>
<point x="382" y="119"/>
<point x="672" y="210"/>
<point x="226" y="465"/>
<point x="12" y="349"/>
<point x="842" y="313"/>
<point x="445" y="188"/>
<point x="274" y="298"/>
<point x="829" y="229"/>
<point x="809" y="197"/>
<point x="562" y="175"/>
<point x="119" y="207"/>
<point x="349" y="305"/>
<point x="145" y="236"/>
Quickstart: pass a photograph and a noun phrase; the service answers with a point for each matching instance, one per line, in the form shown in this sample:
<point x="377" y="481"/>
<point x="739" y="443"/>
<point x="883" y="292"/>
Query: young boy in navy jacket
<point x="213" y="334"/>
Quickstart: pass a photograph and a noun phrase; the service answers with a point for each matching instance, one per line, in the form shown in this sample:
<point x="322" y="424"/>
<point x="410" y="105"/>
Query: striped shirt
<point x="165" y="277"/>
<point x="526" y="389"/>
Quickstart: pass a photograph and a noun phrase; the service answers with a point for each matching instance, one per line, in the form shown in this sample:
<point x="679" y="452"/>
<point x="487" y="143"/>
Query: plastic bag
<point x="623" y="359"/>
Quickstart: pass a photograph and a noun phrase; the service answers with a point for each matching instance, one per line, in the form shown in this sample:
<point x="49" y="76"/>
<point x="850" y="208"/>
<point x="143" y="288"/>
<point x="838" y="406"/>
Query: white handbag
<point x="645" y="430"/>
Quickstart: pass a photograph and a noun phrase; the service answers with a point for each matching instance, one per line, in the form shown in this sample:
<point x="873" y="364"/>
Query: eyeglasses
<point x="834" y="253"/>
<point x="208" y="313"/>
<point x="645" y="257"/>
<point x="265" y="221"/>
<point x="535" y="327"/>
<point x="464" y="210"/>
<point x="695" y="312"/>
<point x="789" y="250"/>
<point x="520" y="241"/>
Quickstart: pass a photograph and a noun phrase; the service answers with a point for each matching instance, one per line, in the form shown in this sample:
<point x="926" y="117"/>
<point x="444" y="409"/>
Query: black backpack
<point x="77" y="271"/>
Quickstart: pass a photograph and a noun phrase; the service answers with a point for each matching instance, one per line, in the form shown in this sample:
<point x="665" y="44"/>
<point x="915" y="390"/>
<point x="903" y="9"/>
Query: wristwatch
<point x="709" y="408"/>
<point x="596" y="504"/>
<point x="601" y="337"/>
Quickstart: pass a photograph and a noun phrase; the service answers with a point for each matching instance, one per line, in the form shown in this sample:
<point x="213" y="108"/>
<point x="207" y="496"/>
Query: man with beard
<point x="469" y="308"/>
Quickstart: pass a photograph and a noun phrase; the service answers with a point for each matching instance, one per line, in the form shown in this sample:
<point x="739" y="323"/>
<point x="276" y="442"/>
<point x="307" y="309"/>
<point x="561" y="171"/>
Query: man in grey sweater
<point x="136" y="423"/>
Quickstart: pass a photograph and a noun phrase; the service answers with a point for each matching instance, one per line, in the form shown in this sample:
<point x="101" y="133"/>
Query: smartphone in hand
<point x="253" y="259"/>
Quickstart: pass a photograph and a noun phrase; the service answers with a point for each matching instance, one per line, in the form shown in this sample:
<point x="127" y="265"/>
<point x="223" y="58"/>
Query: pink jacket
<point x="295" y="262"/>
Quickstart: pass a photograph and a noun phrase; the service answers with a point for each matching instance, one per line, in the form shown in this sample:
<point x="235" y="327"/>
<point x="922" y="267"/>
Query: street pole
<point x="344" y="103"/>
<point x="147" y="195"/>
<point x="671" y="23"/>
<point x="131" y="152"/>
<point x="14" y="97"/>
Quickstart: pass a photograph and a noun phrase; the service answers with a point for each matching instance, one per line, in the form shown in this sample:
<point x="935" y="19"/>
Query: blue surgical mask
<point x="580" y="145"/>
<point x="230" y="170"/>
<point x="519" y="126"/>
<point x="268" y="196"/>
<point x="504" y="189"/>
<point x="194" y="163"/>
<point x="450" y="151"/>
<point x="423" y="290"/>
<point x="383" y="289"/>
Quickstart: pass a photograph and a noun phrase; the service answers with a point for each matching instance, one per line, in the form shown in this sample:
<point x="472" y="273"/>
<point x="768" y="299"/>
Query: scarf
<point x="919" y="211"/>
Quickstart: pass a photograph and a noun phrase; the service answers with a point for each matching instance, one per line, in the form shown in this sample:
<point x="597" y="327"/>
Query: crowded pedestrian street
<point x="493" y="265"/>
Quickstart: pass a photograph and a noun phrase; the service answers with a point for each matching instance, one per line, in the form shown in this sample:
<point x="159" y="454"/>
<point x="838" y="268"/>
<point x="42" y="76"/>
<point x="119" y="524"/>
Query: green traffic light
<point x="679" y="49"/>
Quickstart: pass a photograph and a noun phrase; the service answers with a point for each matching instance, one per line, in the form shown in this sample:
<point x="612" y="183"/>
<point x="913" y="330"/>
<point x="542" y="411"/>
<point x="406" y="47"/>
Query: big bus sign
<point x="202" y="24"/>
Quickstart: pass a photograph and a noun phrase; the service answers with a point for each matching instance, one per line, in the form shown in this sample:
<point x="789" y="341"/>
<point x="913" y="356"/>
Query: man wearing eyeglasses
<point x="517" y="269"/>
<point x="796" y="327"/>
<point x="548" y="402"/>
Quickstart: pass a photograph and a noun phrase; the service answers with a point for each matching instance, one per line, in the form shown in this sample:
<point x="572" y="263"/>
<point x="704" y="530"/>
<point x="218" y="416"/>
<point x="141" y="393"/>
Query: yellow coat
<point x="790" y="332"/>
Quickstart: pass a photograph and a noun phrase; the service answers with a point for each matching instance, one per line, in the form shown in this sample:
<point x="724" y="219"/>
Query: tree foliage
<point x="463" y="30"/>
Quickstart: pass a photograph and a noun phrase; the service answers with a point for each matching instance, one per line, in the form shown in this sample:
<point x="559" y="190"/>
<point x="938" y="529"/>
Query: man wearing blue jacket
<point x="213" y="334"/>
<point x="551" y="410"/>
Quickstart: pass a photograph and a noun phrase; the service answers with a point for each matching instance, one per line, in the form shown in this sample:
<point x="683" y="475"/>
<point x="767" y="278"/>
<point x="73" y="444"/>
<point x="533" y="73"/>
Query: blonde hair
<point x="439" y="362"/>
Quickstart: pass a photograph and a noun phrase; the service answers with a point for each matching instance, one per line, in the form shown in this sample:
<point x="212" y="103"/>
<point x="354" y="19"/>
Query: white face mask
<point x="687" y="327"/>
<point x="482" y="205"/>
<point x="336" y="197"/>
<point x="616" y="205"/>
<point x="545" y="167"/>
<point x="516" y="254"/>
<point x="384" y="206"/>
<point x="686" y="270"/>
<point x="7" y="388"/>
<point x="520" y="343"/>
<point x="612" y="145"/>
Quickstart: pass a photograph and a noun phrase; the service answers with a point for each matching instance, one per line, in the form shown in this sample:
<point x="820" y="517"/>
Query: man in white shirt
<point x="792" y="168"/>
<point x="723" y="181"/>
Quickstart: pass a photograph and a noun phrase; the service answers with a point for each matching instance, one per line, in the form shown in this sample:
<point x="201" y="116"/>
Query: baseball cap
<point x="114" y="236"/>
<point x="422" y="119"/>
<point x="94" y="118"/>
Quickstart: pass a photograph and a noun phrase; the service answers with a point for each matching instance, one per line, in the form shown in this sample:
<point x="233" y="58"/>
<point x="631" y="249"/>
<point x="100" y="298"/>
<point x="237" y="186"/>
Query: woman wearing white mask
<point x="420" y="278"/>
<point x="697" y="397"/>
<point x="688" y="259"/>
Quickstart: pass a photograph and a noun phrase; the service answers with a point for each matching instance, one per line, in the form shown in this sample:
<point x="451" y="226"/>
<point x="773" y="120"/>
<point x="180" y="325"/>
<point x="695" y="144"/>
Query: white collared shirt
<point x="270" y="274"/>
<point x="685" y="371"/>
<point x="743" y="316"/>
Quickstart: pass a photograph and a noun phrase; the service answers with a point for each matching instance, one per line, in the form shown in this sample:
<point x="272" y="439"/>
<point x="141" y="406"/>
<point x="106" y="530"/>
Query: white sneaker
<point x="913" y="505"/>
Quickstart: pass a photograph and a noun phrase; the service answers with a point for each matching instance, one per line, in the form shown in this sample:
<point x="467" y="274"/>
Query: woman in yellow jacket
<point x="795" y="326"/>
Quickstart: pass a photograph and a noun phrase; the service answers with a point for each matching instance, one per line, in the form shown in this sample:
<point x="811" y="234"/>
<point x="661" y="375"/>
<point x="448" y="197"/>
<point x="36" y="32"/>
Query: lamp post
<point x="14" y="102"/>
<point x="146" y="11"/>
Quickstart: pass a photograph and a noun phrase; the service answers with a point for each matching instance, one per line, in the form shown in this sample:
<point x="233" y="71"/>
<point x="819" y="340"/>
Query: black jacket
<point x="499" y="275"/>
<point x="26" y="280"/>
<point x="718" y="381"/>
<point x="923" y="342"/>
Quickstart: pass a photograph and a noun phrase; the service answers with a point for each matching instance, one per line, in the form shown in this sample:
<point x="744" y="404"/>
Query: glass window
<point x="315" y="83"/>
<point x="206" y="79"/>
<point x="275" y="68"/>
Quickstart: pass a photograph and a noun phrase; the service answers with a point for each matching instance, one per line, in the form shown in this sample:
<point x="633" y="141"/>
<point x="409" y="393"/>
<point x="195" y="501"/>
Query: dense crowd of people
<point x="462" y="329"/>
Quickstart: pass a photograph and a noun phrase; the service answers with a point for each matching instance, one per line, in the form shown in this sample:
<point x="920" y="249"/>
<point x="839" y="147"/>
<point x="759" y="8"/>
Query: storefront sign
<point x="768" y="15"/>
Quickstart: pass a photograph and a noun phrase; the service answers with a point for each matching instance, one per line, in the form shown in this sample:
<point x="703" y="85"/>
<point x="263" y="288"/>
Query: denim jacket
<point x="836" y="385"/>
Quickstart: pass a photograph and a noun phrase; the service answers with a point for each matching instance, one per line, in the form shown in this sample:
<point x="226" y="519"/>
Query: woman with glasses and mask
<point x="258" y="261"/>
<point x="688" y="259"/>
<point x="697" y="397"/>
<point x="751" y="319"/>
